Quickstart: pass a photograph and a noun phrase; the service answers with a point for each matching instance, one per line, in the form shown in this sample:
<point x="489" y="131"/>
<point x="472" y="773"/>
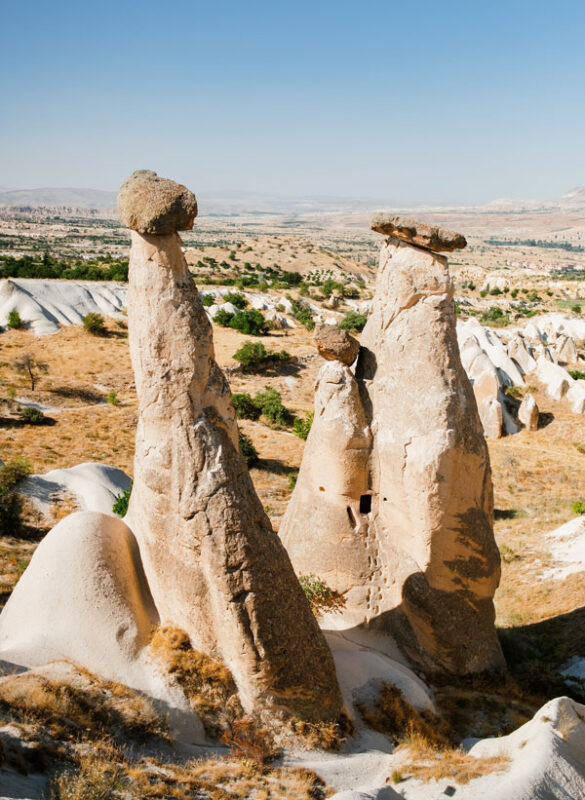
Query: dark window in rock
<point x="365" y="503"/>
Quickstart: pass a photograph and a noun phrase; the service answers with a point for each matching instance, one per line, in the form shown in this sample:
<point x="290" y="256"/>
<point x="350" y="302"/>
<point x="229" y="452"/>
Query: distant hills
<point x="73" y="198"/>
<point x="241" y="203"/>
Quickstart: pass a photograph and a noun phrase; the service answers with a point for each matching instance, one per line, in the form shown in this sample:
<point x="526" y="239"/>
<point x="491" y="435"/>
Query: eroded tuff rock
<point x="214" y="565"/>
<point x="528" y="413"/>
<point x="149" y="204"/>
<point x="333" y="344"/>
<point x="393" y="502"/>
<point x="84" y="598"/>
<point x="431" y="237"/>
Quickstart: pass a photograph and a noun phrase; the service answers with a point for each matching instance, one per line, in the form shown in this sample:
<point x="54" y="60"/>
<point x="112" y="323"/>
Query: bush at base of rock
<point x="237" y="299"/>
<point x="10" y="475"/>
<point x="14" y="320"/>
<point x="120" y="507"/>
<point x="94" y="324"/>
<point x="302" y="427"/>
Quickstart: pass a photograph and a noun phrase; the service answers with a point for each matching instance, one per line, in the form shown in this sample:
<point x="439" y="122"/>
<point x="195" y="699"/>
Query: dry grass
<point x="426" y="739"/>
<point x="207" y="682"/>
<point x="322" y="735"/>
<point x="112" y="777"/>
<point x="393" y="716"/>
<point x="425" y="764"/>
<point x="80" y="705"/>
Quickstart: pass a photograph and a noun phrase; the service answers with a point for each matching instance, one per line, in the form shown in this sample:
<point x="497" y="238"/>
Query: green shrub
<point x="514" y="391"/>
<point x="248" y="450"/>
<point x="112" y="398"/>
<point x="14" y="320"/>
<point x="577" y="375"/>
<point x="253" y="355"/>
<point x="514" y="293"/>
<point x="578" y="507"/>
<point x="320" y="596"/>
<point x="120" y="507"/>
<point x="94" y="324"/>
<point x="207" y="300"/>
<point x="576" y="309"/>
<point x="223" y="318"/>
<point x="10" y="505"/>
<point x="270" y="404"/>
<point x="245" y="406"/>
<point x="251" y="322"/>
<point x="31" y="415"/>
<point x="302" y="426"/>
<point x="303" y="314"/>
<point x="292" y="480"/>
<point x="353" y="321"/>
<point x="237" y="299"/>
<point x="495" y="316"/>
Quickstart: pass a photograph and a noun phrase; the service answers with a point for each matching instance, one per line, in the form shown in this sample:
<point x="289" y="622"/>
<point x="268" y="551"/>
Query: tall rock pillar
<point x="213" y="563"/>
<point x="426" y="563"/>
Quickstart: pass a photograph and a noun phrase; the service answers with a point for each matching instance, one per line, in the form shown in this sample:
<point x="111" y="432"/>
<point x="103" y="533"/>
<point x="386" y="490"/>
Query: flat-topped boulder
<point x="149" y="204"/>
<point x="421" y="234"/>
<point x="335" y="344"/>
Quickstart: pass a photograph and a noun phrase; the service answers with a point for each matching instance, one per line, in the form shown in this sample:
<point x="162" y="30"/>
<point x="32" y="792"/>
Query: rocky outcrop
<point x="214" y="565"/>
<point x="84" y="597"/>
<point x="408" y="494"/>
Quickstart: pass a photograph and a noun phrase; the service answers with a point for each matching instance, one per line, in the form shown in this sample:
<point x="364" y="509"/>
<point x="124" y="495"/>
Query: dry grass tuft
<point x="207" y="682"/>
<point x="455" y="765"/>
<point x="402" y="723"/>
<point x="323" y="735"/>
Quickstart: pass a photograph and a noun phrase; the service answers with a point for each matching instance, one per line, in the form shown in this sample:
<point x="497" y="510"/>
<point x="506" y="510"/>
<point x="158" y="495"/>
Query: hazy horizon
<point x="452" y="105"/>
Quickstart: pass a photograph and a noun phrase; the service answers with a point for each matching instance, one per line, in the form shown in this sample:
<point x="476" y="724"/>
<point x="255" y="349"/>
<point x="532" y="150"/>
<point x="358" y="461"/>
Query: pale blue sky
<point x="406" y="102"/>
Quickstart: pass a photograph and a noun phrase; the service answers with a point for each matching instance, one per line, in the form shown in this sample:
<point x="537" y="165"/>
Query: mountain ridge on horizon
<point x="239" y="202"/>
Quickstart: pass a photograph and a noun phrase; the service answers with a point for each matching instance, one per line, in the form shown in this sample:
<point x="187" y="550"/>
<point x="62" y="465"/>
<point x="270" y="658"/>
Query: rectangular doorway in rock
<point x="365" y="503"/>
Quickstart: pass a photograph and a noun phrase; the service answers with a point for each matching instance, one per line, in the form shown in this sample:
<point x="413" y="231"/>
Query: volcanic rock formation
<point x="213" y="563"/>
<point x="393" y="503"/>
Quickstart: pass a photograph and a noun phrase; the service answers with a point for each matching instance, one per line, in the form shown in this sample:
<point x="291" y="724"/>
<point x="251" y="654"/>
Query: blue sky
<point x="406" y="102"/>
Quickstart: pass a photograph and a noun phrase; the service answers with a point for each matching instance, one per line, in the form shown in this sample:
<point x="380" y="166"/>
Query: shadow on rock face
<point x="468" y="643"/>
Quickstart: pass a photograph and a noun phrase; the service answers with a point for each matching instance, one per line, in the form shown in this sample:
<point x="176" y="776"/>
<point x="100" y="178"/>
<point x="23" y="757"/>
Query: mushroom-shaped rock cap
<point x="431" y="237"/>
<point x="335" y="344"/>
<point x="149" y="204"/>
